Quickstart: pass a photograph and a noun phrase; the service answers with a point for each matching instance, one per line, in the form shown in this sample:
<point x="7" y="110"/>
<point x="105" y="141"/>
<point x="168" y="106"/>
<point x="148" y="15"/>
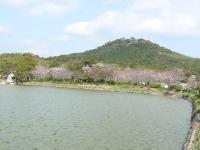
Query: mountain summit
<point x="133" y="53"/>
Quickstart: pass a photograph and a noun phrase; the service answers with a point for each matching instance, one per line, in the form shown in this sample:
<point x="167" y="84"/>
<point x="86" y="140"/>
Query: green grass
<point x="197" y="140"/>
<point x="119" y="87"/>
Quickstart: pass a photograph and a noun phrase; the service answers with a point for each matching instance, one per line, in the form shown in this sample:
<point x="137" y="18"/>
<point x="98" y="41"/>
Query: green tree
<point x="21" y="64"/>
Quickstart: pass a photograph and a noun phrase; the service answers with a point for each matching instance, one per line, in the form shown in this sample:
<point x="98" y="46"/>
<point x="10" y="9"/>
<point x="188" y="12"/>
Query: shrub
<point x="178" y="88"/>
<point x="157" y="86"/>
<point x="111" y="82"/>
<point x="198" y="88"/>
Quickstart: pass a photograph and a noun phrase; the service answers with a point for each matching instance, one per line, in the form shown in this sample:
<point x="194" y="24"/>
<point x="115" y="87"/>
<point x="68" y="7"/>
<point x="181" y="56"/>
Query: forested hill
<point x="134" y="53"/>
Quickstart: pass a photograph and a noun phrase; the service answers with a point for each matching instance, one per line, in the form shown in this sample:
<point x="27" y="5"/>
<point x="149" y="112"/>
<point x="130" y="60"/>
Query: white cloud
<point x="51" y="8"/>
<point x="13" y="3"/>
<point x="163" y="17"/>
<point x="44" y="7"/>
<point x="146" y="5"/>
<point x="89" y="28"/>
<point x="3" y="29"/>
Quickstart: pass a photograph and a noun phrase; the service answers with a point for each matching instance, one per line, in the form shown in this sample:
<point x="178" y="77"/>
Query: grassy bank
<point x="196" y="142"/>
<point x="196" y="123"/>
<point x="120" y="87"/>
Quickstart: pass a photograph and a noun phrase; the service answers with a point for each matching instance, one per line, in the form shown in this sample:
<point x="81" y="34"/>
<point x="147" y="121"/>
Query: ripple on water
<point x="74" y="119"/>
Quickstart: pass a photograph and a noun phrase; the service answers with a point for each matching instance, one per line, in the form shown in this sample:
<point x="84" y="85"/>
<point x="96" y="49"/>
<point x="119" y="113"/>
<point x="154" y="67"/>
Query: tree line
<point x="20" y="64"/>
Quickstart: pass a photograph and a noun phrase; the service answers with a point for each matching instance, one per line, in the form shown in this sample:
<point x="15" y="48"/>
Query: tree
<point x="21" y="64"/>
<point x="40" y="72"/>
<point x="24" y="66"/>
<point x="99" y="72"/>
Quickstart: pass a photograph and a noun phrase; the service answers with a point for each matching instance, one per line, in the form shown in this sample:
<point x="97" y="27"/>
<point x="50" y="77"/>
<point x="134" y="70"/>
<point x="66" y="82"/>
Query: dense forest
<point x="122" y="59"/>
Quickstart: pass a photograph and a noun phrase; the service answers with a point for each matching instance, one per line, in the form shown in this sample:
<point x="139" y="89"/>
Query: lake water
<point x="40" y="118"/>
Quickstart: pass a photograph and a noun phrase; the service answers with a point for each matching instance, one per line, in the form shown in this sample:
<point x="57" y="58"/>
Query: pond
<point x="43" y="118"/>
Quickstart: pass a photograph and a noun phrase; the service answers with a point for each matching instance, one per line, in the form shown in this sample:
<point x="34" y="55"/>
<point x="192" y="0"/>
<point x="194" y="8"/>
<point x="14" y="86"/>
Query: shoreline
<point x="106" y="87"/>
<point x="190" y="138"/>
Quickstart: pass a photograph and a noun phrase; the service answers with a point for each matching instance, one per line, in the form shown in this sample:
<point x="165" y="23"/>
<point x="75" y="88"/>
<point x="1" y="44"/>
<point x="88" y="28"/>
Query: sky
<point x="54" y="27"/>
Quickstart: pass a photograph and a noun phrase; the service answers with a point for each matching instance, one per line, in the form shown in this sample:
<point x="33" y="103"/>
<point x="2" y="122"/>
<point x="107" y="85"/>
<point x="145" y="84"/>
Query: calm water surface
<point x="38" y="118"/>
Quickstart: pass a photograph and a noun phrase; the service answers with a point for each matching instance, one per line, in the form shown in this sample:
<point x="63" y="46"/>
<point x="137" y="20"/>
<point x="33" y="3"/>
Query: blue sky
<point x="53" y="27"/>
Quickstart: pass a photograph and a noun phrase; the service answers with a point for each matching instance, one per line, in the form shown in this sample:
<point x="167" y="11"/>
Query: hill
<point x="133" y="53"/>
